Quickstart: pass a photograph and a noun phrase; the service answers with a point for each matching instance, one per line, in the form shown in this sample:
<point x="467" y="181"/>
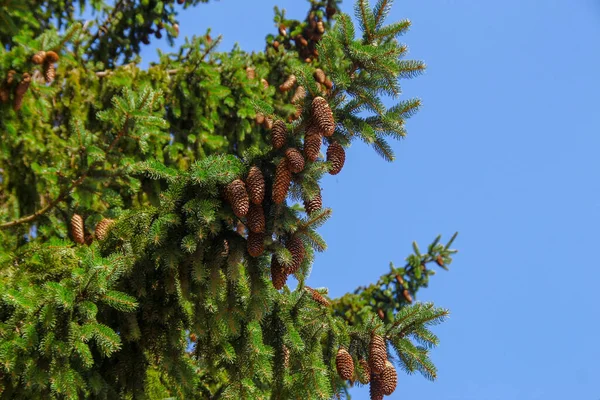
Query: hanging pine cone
<point x="250" y="73"/>
<point x="264" y="83"/>
<point x="268" y="123"/>
<point x="407" y="296"/>
<point x="365" y="372"/>
<point x="298" y="252"/>
<point x="319" y="75"/>
<point x="389" y="379"/>
<point x="286" y="356"/>
<point x="20" y="91"/>
<point x="260" y="118"/>
<point x="336" y="155"/>
<point x="323" y="116"/>
<point x="102" y="228"/>
<point x="256" y="245"/>
<point x="328" y="84"/>
<point x="295" y="160"/>
<point x="278" y="274"/>
<point x="314" y="204"/>
<point x="377" y="354"/>
<point x="376" y="389"/>
<point x="238" y="198"/>
<point x="49" y="71"/>
<point x="38" y="57"/>
<point x="283" y="179"/>
<point x="278" y="134"/>
<point x="77" y="229"/>
<point x="312" y="143"/>
<point x="255" y="183"/>
<point x="299" y="94"/>
<point x="318" y="297"/>
<point x="288" y="84"/>
<point x="256" y="218"/>
<point x="344" y="364"/>
<point x="320" y="27"/>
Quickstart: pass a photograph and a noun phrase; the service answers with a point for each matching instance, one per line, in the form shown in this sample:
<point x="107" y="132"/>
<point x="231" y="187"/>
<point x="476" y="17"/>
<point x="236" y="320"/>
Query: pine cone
<point x="288" y="84"/>
<point x="250" y="73"/>
<point x="389" y="379"/>
<point x="295" y="160"/>
<point x="407" y="296"/>
<point x="320" y="27"/>
<point x="283" y="179"/>
<point x="286" y="356"/>
<point x="278" y="274"/>
<point x="297" y="250"/>
<point x="319" y="75"/>
<point x="323" y="116"/>
<point x="237" y="197"/>
<point x="264" y="83"/>
<point x="314" y="204"/>
<point x="318" y="297"/>
<point x="377" y="354"/>
<point x="255" y="183"/>
<point x="268" y="123"/>
<point x="300" y="40"/>
<point x="20" y="91"/>
<point x="278" y="134"/>
<point x="299" y="94"/>
<point x="49" y="71"/>
<point x="4" y="94"/>
<point x="51" y="57"/>
<point x="439" y="261"/>
<point x="260" y="118"/>
<point x="376" y="389"/>
<point x="336" y="155"/>
<point x="256" y="218"/>
<point x="103" y="227"/>
<point x="312" y="143"/>
<point x="328" y="84"/>
<point x="365" y="372"/>
<point x="344" y="364"/>
<point x="77" y="229"/>
<point x="38" y="57"/>
<point x="256" y="244"/>
<point x="10" y="76"/>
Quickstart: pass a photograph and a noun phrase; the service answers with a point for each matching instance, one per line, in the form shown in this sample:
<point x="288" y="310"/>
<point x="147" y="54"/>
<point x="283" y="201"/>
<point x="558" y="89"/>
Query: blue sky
<point x="505" y="151"/>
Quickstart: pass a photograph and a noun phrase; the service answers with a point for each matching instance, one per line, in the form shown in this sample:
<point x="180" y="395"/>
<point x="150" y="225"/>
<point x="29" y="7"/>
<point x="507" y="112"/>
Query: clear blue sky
<point x="505" y="151"/>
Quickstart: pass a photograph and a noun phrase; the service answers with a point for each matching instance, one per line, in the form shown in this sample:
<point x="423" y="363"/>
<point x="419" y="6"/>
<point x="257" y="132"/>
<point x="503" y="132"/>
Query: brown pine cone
<point x="299" y="94"/>
<point x="268" y="123"/>
<point x="336" y="155"/>
<point x="344" y="364"/>
<point x="102" y="228"/>
<point x="323" y="116"/>
<point x="38" y="57"/>
<point x="278" y="134"/>
<point x="49" y="71"/>
<point x="288" y="84"/>
<point x="314" y="204"/>
<point x="319" y="75"/>
<point x="264" y="83"/>
<point x="295" y="160"/>
<point x="301" y="41"/>
<point x="375" y="388"/>
<point x="320" y="27"/>
<point x="296" y="248"/>
<point x="278" y="274"/>
<point x="238" y="198"/>
<point x="439" y="261"/>
<point x="407" y="296"/>
<point x="10" y="76"/>
<point x="77" y="229"/>
<point x="389" y="379"/>
<point x="51" y="57"/>
<point x="318" y="297"/>
<point x="255" y="184"/>
<point x="283" y="179"/>
<point x="20" y="91"/>
<point x="312" y="143"/>
<point x="250" y="73"/>
<point x="260" y="118"/>
<point x="256" y="245"/>
<point x="365" y="372"/>
<point x="377" y="354"/>
<point x="256" y="218"/>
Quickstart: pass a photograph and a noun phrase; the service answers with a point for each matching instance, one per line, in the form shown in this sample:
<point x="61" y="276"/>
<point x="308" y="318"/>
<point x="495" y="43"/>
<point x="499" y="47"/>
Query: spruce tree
<point x="150" y="218"/>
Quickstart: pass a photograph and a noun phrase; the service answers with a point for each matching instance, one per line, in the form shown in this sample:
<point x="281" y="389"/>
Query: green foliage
<point x="168" y="302"/>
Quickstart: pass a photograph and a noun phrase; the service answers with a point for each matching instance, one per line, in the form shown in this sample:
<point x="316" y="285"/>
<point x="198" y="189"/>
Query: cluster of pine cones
<point x="47" y="59"/>
<point x="378" y="372"/>
<point x="78" y="229"/>
<point x="246" y="197"/>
